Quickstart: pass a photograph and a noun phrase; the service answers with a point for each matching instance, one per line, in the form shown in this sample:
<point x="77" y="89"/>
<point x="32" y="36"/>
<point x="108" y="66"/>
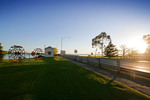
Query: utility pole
<point x="62" y="42"/>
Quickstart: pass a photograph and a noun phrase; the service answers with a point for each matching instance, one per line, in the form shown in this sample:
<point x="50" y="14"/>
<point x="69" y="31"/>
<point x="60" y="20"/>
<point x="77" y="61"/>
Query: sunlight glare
<point x="137" y="43"/>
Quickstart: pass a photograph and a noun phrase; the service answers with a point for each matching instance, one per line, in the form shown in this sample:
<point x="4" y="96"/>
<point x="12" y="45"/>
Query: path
<point x="138" y="83"/>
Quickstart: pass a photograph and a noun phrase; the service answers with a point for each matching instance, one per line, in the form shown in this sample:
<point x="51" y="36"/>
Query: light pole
<point x="62" y="41"/>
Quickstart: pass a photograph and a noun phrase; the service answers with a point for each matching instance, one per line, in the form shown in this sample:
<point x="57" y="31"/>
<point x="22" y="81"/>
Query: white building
<point x="49" y="52"/>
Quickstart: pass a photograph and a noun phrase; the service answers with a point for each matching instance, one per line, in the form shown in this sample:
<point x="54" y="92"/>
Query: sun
<point x="141" y="46"/>
<point x="137" y="43"/>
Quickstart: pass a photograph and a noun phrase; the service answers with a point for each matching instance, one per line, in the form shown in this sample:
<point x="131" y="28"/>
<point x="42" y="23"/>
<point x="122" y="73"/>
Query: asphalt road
<point x="137" y="65"/>
<point x="143" y="66"/>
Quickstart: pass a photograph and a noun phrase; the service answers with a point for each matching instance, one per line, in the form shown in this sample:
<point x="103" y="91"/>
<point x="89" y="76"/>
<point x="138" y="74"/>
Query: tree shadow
<point x="113" y="76"/>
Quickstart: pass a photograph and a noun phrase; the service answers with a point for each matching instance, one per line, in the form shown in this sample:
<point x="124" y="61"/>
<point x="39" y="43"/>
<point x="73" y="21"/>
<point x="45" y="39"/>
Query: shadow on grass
<point x="56" y="79"/>
<point x="114" y="76"/>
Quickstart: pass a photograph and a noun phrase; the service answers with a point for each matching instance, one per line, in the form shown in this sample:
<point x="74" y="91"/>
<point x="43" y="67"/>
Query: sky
<point x="38" y="23"/>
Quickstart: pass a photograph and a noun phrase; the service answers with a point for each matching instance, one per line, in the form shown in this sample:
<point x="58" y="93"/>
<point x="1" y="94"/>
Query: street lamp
<point x="62" y="41"/>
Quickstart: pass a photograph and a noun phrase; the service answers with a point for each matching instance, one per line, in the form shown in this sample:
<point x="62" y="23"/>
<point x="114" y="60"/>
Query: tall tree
<point x="111" y="50"/>
<point x="123" y="49"/>
<point x="101" y="41"/>
<point x="1" y="47"/>
<point x="146" y="38"/>
<point x="75" y="51"/>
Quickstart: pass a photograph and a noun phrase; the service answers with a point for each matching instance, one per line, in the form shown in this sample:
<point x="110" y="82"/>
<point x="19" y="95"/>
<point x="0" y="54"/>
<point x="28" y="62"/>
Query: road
<point x="143" y="66"/>
<point x="138" y="65"/>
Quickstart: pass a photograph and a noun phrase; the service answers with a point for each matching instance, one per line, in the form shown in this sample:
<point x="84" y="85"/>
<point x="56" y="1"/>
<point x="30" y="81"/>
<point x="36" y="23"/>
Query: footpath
<point x="139" y="83"/>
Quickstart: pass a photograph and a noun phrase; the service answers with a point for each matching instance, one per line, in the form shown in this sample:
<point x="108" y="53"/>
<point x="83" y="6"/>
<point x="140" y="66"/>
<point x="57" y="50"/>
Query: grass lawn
<point x="58" y="79"/>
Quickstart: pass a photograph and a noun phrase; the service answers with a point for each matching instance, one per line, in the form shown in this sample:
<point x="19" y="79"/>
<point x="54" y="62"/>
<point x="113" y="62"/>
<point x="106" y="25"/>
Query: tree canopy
<point x="101" y="41"/>
<point x="132" y="52"/>
<point x="123" y="49"/>
<point x="110" y="50"/>
<point x="1" y="47"/>
<point x="147" y="38"/>
<point x="55" y="51"/>
<point x="75" y="51"/>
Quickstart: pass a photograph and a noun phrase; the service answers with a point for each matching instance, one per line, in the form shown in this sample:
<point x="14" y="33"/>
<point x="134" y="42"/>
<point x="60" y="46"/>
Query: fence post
<point x="81" y="59"/>
<point x="99" y="62"/>
<point x="118" y="65"/>
<point x="87" y="59"/>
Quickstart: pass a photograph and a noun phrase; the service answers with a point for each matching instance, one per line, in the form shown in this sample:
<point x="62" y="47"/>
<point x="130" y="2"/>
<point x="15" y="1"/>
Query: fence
<point x="111" y="63"/>
<point x="140" y="66"/>
<point x="145" y="57"/>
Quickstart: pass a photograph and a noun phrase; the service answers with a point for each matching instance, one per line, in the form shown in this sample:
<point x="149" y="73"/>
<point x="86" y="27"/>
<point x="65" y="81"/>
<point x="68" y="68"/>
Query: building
<point x="49" y="52"/>
<point x="62" y="52"/>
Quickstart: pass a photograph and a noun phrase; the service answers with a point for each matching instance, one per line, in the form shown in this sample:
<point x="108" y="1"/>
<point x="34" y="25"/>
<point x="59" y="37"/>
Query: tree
<point x="123" y="49"/>
<point x="110" y="50"/>
<point x="146" y="38"/>
<point x="75" y="51"/>
<point x="1" y="51"/>
<point x="101" y="41"/>
<point x="55" y="51"/>
<point x="132" y="52"/>
<point x="1" y="46"/>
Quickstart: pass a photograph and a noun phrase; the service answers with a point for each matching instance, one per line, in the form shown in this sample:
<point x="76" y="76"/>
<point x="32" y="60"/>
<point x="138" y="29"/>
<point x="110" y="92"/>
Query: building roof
<point x="49" y="47"/>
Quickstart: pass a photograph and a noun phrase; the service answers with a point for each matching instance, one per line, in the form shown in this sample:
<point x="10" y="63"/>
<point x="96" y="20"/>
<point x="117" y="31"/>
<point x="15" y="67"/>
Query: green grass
<point x="58" y="79"/>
